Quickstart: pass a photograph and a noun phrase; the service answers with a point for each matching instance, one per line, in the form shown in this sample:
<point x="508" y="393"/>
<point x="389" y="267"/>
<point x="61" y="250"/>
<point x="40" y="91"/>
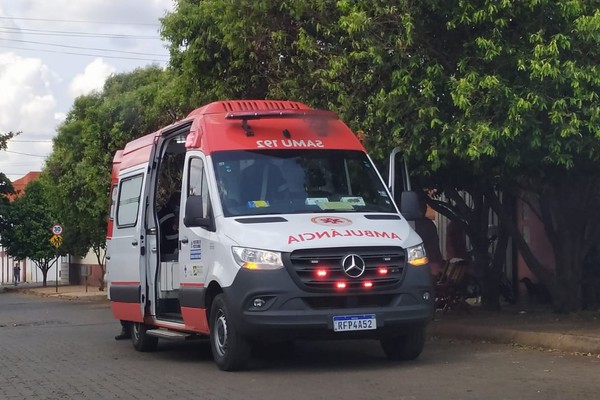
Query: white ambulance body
<point x="285" y="231"/>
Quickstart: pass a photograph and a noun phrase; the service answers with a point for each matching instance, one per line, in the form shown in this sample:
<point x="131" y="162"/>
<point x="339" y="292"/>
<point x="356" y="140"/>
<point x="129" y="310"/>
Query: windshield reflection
<point x="298" y="181"/>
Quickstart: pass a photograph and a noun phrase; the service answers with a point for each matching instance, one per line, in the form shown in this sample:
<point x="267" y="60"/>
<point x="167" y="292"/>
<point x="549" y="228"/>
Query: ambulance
<point x="284" y="230"/>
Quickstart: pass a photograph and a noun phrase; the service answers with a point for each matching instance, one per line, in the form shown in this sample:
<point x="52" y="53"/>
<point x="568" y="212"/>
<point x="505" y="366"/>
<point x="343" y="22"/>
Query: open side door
<point x="173" y="137"/>
<point x="399" y="184"/>
<point x="125" y="249"/>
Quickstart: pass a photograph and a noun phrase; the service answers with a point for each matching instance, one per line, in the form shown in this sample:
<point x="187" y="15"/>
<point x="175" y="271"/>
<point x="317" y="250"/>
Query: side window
<point x="129" y="201"/>
<point x="113" y="201"/>
<point x="198" y="183"/>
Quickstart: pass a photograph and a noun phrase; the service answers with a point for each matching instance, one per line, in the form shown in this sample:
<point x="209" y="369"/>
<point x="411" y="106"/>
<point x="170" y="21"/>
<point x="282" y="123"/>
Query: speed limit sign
<point x="57" y="229"/>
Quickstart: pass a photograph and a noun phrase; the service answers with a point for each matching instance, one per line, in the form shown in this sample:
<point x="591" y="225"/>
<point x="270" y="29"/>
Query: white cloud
<point x="43" y="70"/>
<point x="27" y="103"/>
<point x="126" y="12"/>
<point x="92" y="78"/>
<point x="60" y="117"/>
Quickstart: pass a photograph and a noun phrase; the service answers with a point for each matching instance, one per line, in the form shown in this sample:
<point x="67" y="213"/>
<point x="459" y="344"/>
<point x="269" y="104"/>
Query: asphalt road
<point x="55" y="349"/>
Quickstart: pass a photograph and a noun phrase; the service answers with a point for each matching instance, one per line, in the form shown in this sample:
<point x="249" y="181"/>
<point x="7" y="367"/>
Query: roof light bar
<point x="273" y="114"/>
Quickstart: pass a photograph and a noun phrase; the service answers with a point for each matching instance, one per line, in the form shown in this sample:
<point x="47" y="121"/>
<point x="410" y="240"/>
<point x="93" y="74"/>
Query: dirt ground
<point x="529" y="317"/>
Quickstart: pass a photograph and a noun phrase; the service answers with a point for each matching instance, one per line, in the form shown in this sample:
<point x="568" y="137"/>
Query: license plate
<point x="347" y="323"/>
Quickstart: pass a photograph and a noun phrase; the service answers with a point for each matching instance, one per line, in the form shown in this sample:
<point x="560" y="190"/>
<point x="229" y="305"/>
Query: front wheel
<point x="230" y="349"/>
<point x="141" y="340"/>
<point x="407" y="346"/>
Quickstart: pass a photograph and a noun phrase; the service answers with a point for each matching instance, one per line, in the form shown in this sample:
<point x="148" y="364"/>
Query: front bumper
<point x="290" y="312"/>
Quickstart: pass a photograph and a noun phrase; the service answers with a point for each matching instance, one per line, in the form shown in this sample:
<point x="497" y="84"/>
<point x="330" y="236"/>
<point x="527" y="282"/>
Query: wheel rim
<point x="135" y="332"/>
<point x="220" y="334"/>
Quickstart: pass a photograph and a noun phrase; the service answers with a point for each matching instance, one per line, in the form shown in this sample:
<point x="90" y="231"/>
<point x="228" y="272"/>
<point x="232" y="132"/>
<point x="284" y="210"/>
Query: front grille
<point x="331" y="302"/>
<point x="304" y="265"/>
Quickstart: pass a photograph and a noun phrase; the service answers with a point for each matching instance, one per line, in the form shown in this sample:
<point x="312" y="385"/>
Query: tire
<point x="141" y="341"/>
<point x="405" y="347"/>
<point x="231" y="351"/>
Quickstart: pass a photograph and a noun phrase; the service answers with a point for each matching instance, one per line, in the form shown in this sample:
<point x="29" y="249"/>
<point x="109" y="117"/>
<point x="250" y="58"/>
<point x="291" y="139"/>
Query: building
<point x="29" y="271"/>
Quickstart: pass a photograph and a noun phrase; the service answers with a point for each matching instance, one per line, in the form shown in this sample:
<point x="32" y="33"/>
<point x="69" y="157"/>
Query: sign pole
<point x="56" y="241"/>
<point x="56" y="270"/>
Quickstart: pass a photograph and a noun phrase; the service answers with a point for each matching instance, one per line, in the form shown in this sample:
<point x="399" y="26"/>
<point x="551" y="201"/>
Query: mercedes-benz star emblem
<point x="353" y="265"/>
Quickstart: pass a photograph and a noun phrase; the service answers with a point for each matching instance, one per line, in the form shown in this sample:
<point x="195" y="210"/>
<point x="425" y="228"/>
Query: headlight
<point x="416" y="255"/>
<point x="257" y="259"/>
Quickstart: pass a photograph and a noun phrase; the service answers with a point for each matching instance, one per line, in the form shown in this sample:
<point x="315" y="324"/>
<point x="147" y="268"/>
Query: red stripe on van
<point x="127" y="311"/>
<point x="195" y="319"/>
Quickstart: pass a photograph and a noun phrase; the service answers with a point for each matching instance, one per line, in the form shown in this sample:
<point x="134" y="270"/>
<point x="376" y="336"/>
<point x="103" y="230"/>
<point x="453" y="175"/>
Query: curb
<point x="64" y="296"/>
<point x="552" y="341"/>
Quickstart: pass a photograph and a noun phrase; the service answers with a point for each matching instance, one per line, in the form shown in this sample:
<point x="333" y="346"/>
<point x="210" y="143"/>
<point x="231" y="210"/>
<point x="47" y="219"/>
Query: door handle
<point x="184" y="240"/>
<point x="134" y="243"/>
<point x="153" y="249"/>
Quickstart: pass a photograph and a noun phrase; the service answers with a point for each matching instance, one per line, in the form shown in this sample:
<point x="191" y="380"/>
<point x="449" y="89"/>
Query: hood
<point x="290" y="232"/>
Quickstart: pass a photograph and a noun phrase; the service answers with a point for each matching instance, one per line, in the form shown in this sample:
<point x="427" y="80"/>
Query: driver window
<point x="198" y="183"/>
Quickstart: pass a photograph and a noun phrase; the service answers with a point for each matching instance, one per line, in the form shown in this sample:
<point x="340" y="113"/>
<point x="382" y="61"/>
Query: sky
<point x="53" y="51"/>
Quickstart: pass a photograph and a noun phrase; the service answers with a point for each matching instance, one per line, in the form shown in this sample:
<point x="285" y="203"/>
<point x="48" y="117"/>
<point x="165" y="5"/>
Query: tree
<point x="5" y="137"/>
<point x="26" y="230"/>
<point x="6" y="189"/>
<point x="502" y="94"/>
<point x="524" y="112"/>
<point x="78" y="171"/>
<point x="250" y="49"/>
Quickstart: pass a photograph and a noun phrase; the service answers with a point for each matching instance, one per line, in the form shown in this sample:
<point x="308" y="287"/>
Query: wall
<point x="29" y="271"/>
<point x="89" y="263"/>
<point x="535" y="236"/>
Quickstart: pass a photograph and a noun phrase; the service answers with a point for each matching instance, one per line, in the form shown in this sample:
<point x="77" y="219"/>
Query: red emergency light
<point x="321" y="272"/>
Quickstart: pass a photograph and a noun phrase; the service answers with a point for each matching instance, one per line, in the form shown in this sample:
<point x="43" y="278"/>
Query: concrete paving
<point x="532" y="326"/>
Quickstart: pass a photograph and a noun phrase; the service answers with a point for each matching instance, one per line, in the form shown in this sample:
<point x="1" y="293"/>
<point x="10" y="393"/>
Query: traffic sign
<point x="57" y="229"/>
<point x="56" y="240"/>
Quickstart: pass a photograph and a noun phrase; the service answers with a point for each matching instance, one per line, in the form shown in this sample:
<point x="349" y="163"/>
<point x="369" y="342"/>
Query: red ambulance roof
<point x="250" y="125"/>
<point x="137" y="151"/>
<point x="265" y="124"/>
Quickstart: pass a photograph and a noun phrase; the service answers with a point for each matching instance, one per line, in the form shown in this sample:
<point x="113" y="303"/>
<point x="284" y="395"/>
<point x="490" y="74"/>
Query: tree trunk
<point x="490" y="280"/>
<point x="567" y="295"/>
<point x="97" y="252"/>
<point x="568" y="207"/>
<point x="569" y="212"/>
<point x="474" y="219"/>
<point x="478" y="232"/>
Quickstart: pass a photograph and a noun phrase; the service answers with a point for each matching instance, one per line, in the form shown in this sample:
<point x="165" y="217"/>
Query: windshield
<point x="298" y="181"/>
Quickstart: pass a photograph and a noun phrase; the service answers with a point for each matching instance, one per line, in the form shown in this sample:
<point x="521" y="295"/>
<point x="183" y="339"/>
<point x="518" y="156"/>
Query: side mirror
<point x="409" y="205"/>
<point x="194" y="215"/>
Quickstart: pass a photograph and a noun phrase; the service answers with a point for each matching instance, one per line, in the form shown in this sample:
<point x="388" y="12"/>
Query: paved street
<point x="57" y="349"/>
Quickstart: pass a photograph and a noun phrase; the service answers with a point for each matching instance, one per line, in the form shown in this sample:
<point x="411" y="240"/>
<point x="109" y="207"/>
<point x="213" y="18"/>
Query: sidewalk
<point x="73" y="292"/>
<point x="535" y="327"/>
<point x="524" y="325"/>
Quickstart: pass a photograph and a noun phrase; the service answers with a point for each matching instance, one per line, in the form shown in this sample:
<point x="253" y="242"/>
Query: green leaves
<point x="77" y="174"/>
<point x="26" y="225"/>
<point x="5" y="137"/>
